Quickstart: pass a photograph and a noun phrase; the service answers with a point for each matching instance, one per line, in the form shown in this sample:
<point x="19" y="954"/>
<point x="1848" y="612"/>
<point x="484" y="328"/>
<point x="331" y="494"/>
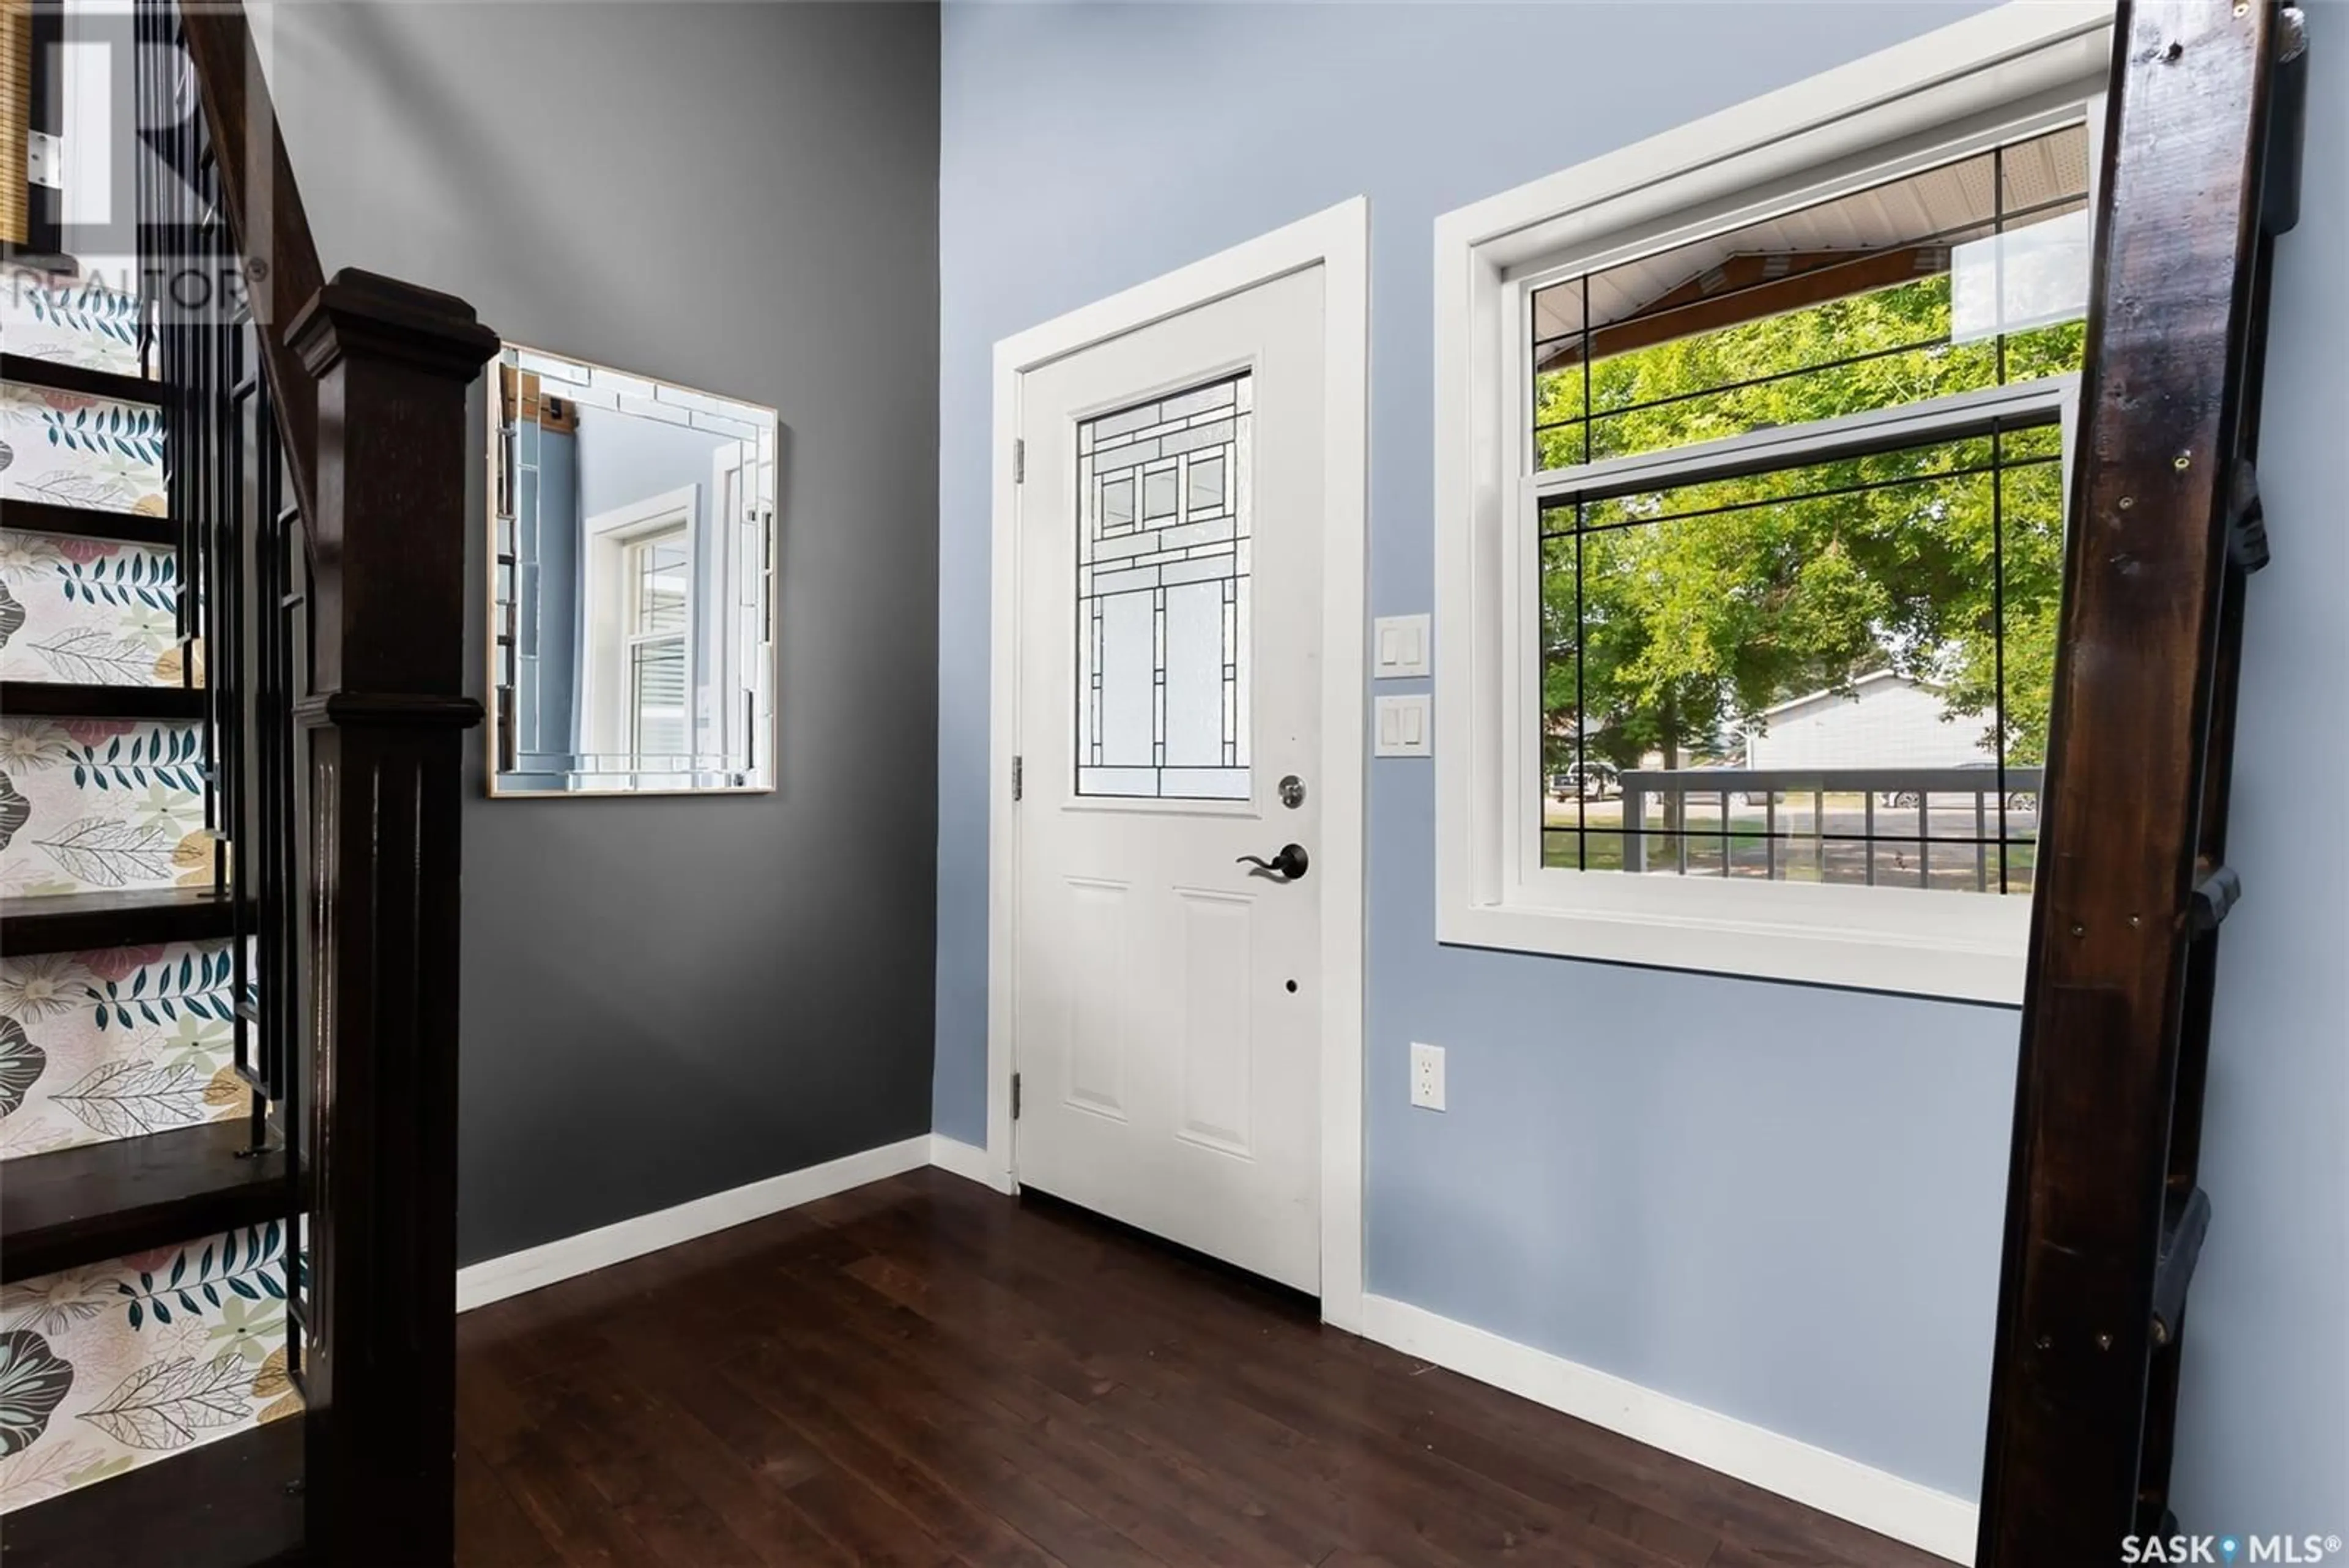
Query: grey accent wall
<point x="667" y="998"/>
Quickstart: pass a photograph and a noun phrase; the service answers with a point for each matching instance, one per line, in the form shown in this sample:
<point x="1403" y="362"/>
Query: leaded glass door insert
<point x="1163" y="557"/>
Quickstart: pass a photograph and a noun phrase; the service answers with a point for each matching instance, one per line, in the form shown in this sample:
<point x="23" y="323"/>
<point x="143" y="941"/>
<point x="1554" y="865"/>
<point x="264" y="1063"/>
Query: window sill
<point x="1981" y="959"/>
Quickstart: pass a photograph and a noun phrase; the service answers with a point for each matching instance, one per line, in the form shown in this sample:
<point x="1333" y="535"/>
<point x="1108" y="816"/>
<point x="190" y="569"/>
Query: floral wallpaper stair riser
<point x="89" y="611"/>
<point x="101" y="805"/>
<point x="115" y="1044"/>
<point x="81" y="323"/>
<point x="74" y="450"/>
<point x="106" y="1369"/>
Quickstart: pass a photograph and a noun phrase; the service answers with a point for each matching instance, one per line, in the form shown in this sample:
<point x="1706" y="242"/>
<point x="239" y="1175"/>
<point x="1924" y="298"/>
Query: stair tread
<point x="226" y="1504"/>
<point x="73" y="922"/>
<point x="88" y="522"/>
<point x="62" y="700"/>
<point x="54" y="266"/>
<point x="76" y="1207"/>
<point x="26" y="371"/>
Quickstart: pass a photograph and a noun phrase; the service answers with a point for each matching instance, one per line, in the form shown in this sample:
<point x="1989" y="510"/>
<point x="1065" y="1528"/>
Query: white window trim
<point x="722" y="728"/>
<point x="611" y="728"/>
<point x="2026" y="67"/>
<point x="634" y="638"/>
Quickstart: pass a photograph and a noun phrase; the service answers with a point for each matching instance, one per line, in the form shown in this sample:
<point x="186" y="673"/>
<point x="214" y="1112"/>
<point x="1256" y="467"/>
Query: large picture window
<point x="1752" y="459"/>
<point x="1831" y="667"/>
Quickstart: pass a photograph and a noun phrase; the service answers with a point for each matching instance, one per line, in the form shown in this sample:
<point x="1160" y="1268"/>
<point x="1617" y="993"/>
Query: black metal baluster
<point x="227" y="489"/>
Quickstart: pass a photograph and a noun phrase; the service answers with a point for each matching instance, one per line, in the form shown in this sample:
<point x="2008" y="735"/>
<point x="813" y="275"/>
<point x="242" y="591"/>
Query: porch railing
<point x="1894" y="806"/>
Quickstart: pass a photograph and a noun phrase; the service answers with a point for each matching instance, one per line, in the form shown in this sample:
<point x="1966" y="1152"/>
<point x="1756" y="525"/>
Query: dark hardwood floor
<point x="921" y="1372"/>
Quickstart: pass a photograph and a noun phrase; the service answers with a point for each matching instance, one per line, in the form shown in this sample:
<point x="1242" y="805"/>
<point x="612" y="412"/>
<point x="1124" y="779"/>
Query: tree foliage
<point x="1702" y="606"/>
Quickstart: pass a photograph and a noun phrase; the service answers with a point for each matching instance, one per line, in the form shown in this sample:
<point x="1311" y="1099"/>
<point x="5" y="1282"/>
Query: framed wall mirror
<point x="632" y="584"/>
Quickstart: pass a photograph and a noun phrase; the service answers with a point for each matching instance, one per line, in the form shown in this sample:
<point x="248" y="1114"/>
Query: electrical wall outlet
<point x="1427" y="1076"/>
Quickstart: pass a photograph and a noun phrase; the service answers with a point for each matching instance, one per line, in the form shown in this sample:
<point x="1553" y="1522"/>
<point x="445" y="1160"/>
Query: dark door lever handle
<point x="1289" y="865"/>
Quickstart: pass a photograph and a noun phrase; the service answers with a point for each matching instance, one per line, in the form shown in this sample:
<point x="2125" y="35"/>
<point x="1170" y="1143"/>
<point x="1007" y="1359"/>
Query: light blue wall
<point x="624" y="459"/>
<point x="2263" y="1441"/>
<point x="1779" y="1202"/>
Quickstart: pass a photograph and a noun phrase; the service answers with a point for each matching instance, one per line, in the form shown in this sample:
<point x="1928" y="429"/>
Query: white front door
<point x="1167" y="996"/>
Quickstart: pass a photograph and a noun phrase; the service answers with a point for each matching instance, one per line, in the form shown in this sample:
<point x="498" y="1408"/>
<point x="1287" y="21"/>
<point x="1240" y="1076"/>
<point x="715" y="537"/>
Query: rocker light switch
<point x="1401" y="641"/>
<point x="1406" y="727"/>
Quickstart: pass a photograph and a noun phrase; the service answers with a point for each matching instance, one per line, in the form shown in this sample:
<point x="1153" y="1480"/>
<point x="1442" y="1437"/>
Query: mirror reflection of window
<point x="632" y="584"/>
<point x="659" y="618"/>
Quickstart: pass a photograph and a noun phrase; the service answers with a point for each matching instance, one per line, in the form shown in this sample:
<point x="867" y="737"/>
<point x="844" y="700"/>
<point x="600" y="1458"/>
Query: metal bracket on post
<point x="44" y="160"/>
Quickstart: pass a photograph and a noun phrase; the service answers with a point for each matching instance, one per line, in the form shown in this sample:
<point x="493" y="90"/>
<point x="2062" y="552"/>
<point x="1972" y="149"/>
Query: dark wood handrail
<point x="266" y="213"/>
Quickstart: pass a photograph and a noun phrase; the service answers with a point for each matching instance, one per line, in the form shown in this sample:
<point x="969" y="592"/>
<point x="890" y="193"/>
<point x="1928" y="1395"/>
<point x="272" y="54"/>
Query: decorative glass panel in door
<point x="1162" y="599"/>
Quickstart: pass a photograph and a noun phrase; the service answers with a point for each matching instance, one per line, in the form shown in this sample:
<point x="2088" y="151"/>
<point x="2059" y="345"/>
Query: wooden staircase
<point x="229" y="772"/>
<point x="84" y="1205"/>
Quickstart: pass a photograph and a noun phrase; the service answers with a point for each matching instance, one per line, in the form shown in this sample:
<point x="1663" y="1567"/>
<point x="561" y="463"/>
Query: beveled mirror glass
<point x="632" y="552"/>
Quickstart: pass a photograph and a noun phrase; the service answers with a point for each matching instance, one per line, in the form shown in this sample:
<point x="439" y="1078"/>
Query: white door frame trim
<point x="1337" y="240"/>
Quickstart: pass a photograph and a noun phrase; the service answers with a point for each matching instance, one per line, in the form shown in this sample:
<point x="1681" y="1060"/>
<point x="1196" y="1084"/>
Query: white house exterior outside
<point x="1886" y="719"/>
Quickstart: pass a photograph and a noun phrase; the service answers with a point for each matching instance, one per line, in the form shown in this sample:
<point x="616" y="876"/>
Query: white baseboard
<point x="1877" y="1499"/>
<point x="964" y="1160"/>
<point x="495" y="1279"/>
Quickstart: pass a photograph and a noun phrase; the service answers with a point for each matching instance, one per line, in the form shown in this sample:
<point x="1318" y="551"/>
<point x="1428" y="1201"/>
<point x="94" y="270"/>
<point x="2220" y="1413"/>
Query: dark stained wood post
<point x="384" y="720"/>
<point x="2103" y="1215"/>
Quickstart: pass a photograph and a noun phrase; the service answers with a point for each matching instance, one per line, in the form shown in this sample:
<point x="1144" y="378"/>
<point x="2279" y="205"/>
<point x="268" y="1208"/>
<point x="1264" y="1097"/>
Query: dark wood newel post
<point x="385" y="721"/>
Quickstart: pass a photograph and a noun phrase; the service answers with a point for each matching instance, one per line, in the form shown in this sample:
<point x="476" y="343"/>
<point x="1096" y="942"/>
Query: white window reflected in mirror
<point x="632" y="589"/>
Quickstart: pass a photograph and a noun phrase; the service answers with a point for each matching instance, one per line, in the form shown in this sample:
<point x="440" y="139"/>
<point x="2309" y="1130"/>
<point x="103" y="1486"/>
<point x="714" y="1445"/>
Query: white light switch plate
<point x="1427" y="1076"/>
<point x="1401" y="642"/>
<point x="1406" y="726"/>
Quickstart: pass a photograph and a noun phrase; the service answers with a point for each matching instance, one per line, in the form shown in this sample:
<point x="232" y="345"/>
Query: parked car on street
<point x="1591" y="781"/>
<point x="2016" y="800"/>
